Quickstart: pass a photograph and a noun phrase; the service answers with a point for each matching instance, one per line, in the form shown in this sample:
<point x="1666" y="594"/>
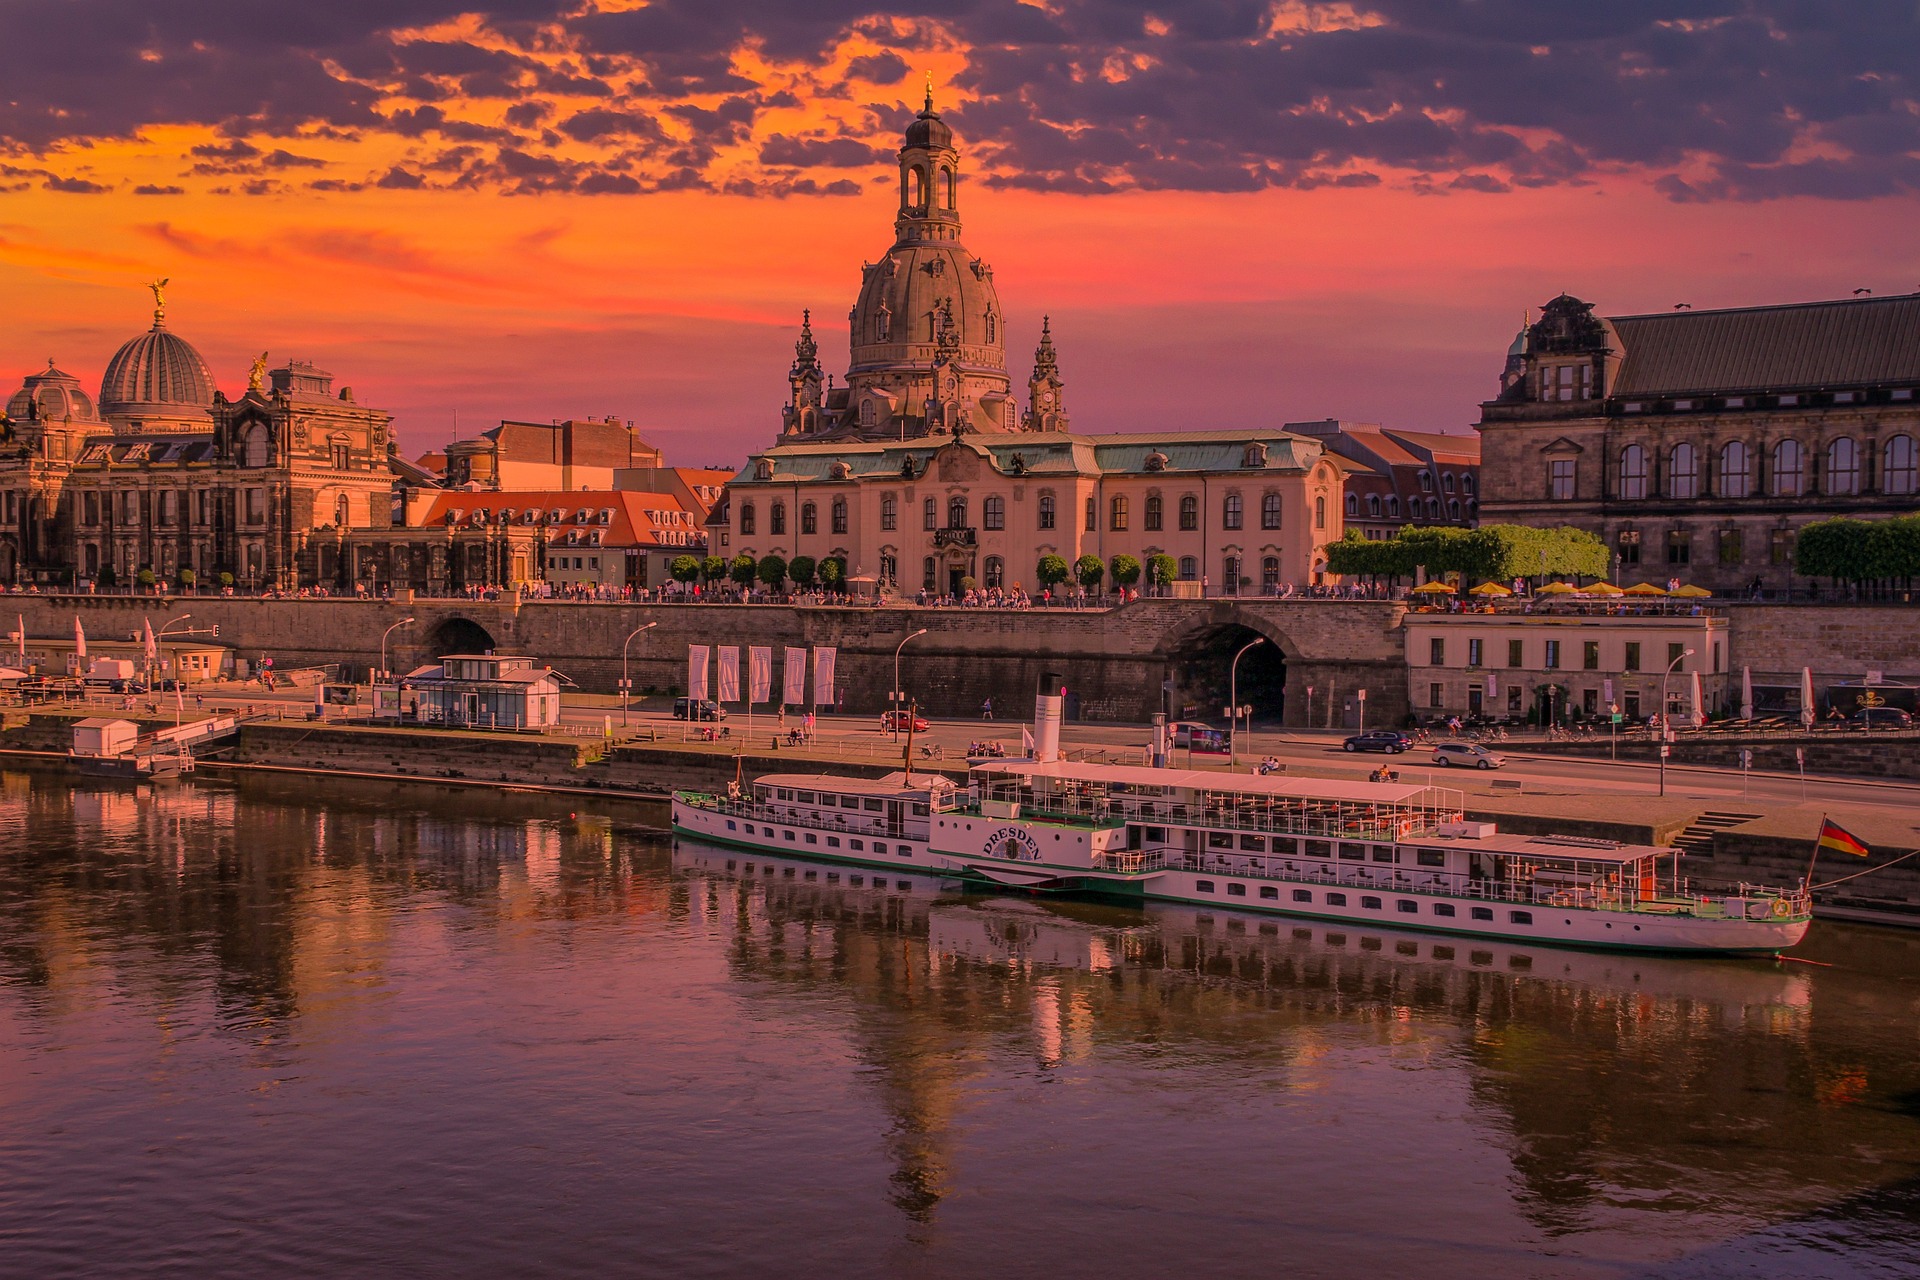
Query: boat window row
<point x="810" y="837"/>
<point x="872" y="804"/>
<point x="1241" y="842"/>
<point x="1405" y="906"/>
<point x="833" y="877"/>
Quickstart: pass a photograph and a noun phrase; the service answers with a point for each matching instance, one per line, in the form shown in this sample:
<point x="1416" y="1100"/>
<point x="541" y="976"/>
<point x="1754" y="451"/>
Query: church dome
<point x="928" y="129"/>
<point x="51" y="396"/>
<point x="158" y="372"/>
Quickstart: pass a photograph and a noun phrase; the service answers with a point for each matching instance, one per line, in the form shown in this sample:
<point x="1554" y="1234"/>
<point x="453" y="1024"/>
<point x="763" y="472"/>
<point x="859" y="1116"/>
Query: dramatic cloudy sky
<point x="1235" y="212"/>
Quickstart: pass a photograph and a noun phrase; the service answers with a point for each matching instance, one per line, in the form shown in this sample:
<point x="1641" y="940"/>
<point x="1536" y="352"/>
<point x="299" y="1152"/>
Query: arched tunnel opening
<point x="460" y="635"/>
<point x="1200" y="671"/>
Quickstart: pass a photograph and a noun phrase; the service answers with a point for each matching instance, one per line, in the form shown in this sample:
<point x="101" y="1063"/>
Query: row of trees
<point x="1089" y="571"/>
<point x="1878" y="556"/>
<point x="1494" y="552"/>
<point x="774" y="571"/>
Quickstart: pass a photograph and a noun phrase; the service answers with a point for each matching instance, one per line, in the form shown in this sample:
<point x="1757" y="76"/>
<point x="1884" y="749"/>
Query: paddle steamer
<point x="1394" y="854"/>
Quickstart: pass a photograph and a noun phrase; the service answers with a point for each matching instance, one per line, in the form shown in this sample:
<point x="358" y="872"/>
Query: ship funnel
<point x="1048" y="709"/>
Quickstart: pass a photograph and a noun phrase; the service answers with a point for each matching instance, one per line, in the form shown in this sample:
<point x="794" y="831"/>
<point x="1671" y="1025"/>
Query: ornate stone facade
<point x="1696" y="443"/>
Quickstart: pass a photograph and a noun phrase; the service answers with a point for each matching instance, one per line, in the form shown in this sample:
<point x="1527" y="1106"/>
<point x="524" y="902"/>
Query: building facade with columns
<point x="1697" y="443"/>
<point x="924" y="471"/>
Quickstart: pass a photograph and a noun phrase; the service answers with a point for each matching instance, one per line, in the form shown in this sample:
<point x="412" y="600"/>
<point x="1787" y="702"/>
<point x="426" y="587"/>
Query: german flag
<point x="1836" y="839"/>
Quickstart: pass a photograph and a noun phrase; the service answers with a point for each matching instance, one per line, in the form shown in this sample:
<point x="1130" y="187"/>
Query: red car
<point x="896" y="722"/>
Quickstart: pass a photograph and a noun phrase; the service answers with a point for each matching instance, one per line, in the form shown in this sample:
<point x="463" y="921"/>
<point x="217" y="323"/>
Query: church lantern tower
<point x="1046" y="390"/>
<point x="803" y="412"/>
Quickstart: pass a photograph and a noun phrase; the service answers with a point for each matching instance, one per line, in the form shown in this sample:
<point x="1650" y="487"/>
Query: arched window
<point x="869" y="415"/>
<point x="1843" y="467"/>
<point x="889" y="512"/>
<point x="1900" y="472"/>
<point x="1117" y="513"/>
<point x="809" y="518"/>
<point x="1153" y="512"/>
<point x="1230" y="575"/>
<point x="746" y="519"/>
<point x="1453" y="508"/>
<point x="1393" y="505"/>
<point x="1633" y="472"/>
<point x="1789" y="469"/>
<point x="1736" y="470"/>
<point x="1093" y="513"/>
<point x="993" y="513"/>
<point x="930" y="513"/>
<point x="1231" y="514"/>
<point x="1189" y="512"/>
<point x="993" y="327"/>
<point x="956" y="513"/>
<point x="1320" y="510"/>
<point x="1353" y="504"/>
<point x="1046" y="511"/>
<point x="1189" y="568"/>
<point x="839" y="515"/>
<point x="1446" y="481"/>
<point x="927" y="571"/>
<point x="1270" y="575"/>
<point x="1426" y="481"/>
<point x="1466" y="482"/>
<point x="996" y="571"/>
<point x="949" y="174"/>
<point x="1270" y="511"/>
<point x="1433" y="510"/>
<point x="777" y="519"/>
<point x="916" y="190"/>
<point x="1683" y="471"/>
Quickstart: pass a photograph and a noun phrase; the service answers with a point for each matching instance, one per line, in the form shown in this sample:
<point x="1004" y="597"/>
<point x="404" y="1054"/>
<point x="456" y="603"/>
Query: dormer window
<point x="1566" y="382"/>
<point x="1255" y="456"/>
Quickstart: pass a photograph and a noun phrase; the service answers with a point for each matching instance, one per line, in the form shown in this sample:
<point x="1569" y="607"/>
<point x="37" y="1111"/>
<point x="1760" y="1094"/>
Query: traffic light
<point x="216" y="629"/>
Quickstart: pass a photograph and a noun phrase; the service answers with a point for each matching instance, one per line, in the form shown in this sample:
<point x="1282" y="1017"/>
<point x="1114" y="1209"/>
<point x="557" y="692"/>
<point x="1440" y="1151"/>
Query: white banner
<point x="729" y="674"/>
<point x="1606" y="691"/>
<point x="823" y="656"/>
<point x="793" y="682"/>
<point x="1493" y="685"/>
<point x="696" y="671"/>
<point x="759" y="675"/>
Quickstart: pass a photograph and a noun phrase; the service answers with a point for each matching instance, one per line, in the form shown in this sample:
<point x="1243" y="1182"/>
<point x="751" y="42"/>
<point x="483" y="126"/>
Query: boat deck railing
<point x="1311" y="820"/>
<point x="754" y="812"/>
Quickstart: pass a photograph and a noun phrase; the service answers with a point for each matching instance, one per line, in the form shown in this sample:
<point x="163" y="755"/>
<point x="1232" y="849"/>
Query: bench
<point x="1509" y="784"/>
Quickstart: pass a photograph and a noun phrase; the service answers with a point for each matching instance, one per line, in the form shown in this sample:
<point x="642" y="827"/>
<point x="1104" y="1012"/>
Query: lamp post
<point x="626" y="680"/>
<point x="1233" y="698"/>
<point x="1666" y="729"/>
<point x="899" y="704"/>
<point x="383" y="642"/>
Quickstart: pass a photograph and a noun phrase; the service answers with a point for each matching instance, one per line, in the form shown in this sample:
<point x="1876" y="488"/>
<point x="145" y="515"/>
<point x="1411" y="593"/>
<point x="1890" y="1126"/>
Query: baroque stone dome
<point x="157" y="373"/>
<point x="51" y="396"/>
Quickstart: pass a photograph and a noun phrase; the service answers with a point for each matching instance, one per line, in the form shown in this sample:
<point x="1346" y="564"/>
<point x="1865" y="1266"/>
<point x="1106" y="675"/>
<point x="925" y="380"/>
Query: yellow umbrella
<point x="1692" y="592"/>
<point x="1557" y="589"/>
<point x="1490" y="589"/>
<point x="1433" y="589"/>
<point x="1603" y="589"/>
<point x="1645" y="589"/>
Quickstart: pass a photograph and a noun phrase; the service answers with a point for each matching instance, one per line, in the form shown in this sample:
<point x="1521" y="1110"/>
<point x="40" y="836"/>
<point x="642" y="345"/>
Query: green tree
<point x="1088" y="570"/>
<point x="145" y="578"/>
<point x="1126" y="570"/>
<point x="187" y="578"/>
<point x="684" y="568"/>
<point x="833" y="573"/>
<point x="1051" y="571"/>
<point x="107" y="577"/>
<point x="771" y="570"/>
<point x="801" y="569"/>
<point x="225" y="579"/>
<point x="1162" y="569"/>
<point x="713" y="568"/>
<point x="741" y="569"/>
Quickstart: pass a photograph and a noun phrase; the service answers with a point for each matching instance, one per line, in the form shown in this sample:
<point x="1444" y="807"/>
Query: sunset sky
<point x="1235" y="213"/>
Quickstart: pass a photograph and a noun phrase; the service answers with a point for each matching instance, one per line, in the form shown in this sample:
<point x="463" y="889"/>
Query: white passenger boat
<point x="1399" y="855"/>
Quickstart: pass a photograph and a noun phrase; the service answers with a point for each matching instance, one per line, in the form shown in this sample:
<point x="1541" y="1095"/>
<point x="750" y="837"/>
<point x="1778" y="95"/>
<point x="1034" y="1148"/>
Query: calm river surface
<point x="287" y="1029"/>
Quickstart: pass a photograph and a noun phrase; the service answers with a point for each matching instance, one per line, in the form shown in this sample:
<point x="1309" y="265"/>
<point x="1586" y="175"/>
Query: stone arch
<point x="1199" y="655"/>
<point x="459" y="635"/>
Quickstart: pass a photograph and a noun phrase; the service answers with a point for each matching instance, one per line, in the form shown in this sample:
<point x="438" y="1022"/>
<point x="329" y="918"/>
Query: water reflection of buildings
<point x="1542" y="1039"/>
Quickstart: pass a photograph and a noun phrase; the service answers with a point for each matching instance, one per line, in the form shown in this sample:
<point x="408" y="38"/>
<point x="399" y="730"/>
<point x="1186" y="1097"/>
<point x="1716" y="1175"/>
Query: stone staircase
<point x="1697" y="837"/>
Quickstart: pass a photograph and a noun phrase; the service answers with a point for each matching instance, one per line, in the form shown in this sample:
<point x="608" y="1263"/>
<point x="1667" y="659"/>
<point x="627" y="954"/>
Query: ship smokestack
<point x="1048" y="709"/>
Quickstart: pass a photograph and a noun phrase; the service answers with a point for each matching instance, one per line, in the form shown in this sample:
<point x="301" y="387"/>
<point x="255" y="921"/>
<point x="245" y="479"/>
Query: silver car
<point x="1467" y="755"/>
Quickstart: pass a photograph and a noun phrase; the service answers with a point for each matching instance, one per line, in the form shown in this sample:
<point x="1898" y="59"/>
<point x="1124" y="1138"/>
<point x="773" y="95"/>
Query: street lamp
<point x="899" y="703"/>
<point x="1233" y="697"/>
<point x="1666" y="731"/>
<point x="626" y="681"/>
<point x="383" y="642"/>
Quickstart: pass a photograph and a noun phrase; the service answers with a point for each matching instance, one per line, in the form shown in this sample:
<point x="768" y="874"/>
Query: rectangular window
<point x="1354" y="852"/>
<point x="1384" y="853"/>
<point x="1780" y="547"/>
<point x="1590" y="656"/>
<point x="1437" y="651"/>
<point x="1560" y="479"/>
<point x="1268" y="891"/>
<point x="879" y="846"/>
<point x="1731" y="551"/>
<point x="1632" y="662"/>
<point x="1236" y="891"/>
<point x="1679" y="546"/>
<point x="1436" y="695"/>
<point x="1203" y="886"/>
<point x="1370" y="904"/>
<point x="1553" y="655"/>
<point x="1482" y="913"/>
<point x="1319" y="848"/>
<point x="1629" y="545"/>
<point x="833" y="842"/>
<point x="812" y="839"/>
<point x="1675" y="652"/>
<point x="1219" y="839"/>
<point x="1443" y="908"/>
<point x="1520" y="917"/>
<point x="1406" y="906"/>
<point x="1515" y="653"/>
<point x="1336" y="900"/>
<point x="1302" y="895"/>
<point x="857" y="845"/>
<point x="1473" y="652"/>
<point x="1253" y="844"/>
<point x="1429" y="858"/>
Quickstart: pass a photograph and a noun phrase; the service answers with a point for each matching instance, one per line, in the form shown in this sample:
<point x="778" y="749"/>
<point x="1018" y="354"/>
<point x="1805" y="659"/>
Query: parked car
<point x="703" y="709"/>
<point x="1882" y="718"/>
<point x="896" y="721"/>
<point x="1467" y="755"/>
<point x="1391" y="741"/>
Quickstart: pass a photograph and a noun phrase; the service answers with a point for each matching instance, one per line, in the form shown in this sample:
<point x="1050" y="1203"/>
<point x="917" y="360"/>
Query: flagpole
<point x="1817" y="833"/>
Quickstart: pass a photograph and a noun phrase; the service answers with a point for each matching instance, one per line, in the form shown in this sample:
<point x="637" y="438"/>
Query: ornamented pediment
<point x="1563" y="445"/>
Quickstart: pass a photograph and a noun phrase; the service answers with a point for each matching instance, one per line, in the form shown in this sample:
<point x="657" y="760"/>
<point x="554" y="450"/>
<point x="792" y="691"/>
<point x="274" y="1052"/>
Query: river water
<point x="322" y="1029"/>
